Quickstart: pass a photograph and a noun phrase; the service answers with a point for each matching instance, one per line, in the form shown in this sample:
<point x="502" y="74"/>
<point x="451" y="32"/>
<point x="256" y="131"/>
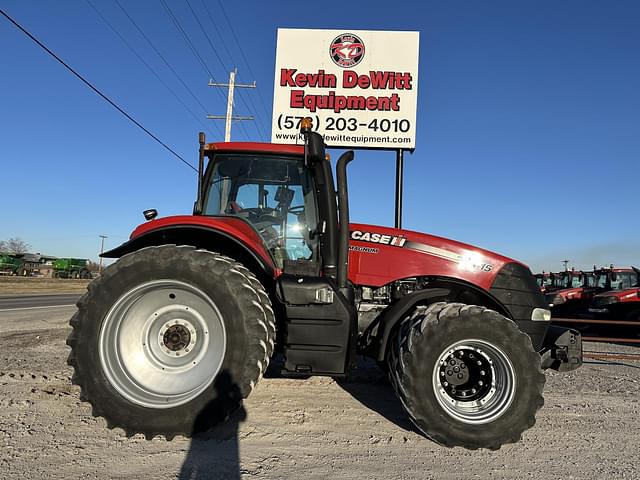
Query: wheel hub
<point x="177" y="337"/>
<point x="466" y="374"/>
<point x="474" y="381"/>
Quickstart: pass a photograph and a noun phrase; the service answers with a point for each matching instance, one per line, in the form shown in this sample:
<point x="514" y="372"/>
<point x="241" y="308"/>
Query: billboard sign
<point x="360" y="87"/>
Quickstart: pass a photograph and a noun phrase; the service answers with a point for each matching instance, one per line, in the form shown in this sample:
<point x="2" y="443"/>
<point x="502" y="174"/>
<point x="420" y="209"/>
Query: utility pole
<point x="101" y="250"/>
<point x="229" y="117"/>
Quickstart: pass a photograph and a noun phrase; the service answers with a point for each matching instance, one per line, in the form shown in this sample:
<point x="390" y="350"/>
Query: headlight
<point x="541" y="315"/>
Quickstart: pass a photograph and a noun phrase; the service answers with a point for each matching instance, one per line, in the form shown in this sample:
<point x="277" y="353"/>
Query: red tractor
<point x="574" y="298"/>
<point x="544" y="280"/>
<point x="620" y="298"/>
<point x="173" y="335"/>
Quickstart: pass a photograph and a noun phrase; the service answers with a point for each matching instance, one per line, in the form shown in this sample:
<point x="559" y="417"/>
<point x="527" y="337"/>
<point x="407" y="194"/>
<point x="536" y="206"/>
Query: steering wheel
<point x="257" y="214"/>
<point x="297" y="210"/>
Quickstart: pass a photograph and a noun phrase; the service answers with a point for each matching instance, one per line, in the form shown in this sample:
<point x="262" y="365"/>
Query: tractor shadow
<point x="368" y="384"/>
<point x="215" y="454"/>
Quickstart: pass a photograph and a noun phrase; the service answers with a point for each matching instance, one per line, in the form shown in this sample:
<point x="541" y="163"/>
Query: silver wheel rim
<point x="162" y="343"/>
<point x="474" y="381"/>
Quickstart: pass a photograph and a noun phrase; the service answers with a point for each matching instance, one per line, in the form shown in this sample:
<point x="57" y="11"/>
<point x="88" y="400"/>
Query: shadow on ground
<point x="215" y="454"/>
<point x="368" y="384"/>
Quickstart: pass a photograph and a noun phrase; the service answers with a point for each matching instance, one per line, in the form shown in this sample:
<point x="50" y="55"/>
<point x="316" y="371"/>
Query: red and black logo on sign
<point x="347" y="50"/>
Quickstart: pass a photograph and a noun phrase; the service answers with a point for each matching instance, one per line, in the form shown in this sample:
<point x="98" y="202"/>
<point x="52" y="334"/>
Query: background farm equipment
<point x="71" y="268"/>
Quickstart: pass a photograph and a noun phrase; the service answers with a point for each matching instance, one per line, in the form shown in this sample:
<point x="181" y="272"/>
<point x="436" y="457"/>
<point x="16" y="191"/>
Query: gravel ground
<point x="312" y="429"/>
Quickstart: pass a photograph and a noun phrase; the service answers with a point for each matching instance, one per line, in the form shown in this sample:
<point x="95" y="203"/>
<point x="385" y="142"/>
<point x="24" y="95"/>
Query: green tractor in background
<point x="71" y="268"/>
<point x="10" y="264"/>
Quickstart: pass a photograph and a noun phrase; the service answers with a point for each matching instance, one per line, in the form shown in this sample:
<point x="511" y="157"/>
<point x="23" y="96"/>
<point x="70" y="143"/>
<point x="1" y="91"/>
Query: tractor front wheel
<point x="169" y="340"/>
<point x="466" y="375"/>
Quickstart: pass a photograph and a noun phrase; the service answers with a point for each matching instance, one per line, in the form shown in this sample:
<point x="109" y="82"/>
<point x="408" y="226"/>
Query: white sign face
<point x="360" y="87"/>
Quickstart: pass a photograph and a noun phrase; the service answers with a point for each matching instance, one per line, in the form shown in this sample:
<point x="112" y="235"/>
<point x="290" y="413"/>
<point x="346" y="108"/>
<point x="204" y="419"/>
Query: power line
<point x="88" y="84"/>
<point x="149" y="67"/>
<point x="266" y="111"/>
<point x="193" y="49"/>
<point x="164" y="60"/>
<point x="222" y="41"/>
<point x="215" y="51"/>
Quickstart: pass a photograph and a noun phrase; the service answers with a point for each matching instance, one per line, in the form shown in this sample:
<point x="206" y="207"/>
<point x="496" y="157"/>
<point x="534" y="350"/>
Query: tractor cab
<point x="274" y="193"/>
<point x="617" y="279"/>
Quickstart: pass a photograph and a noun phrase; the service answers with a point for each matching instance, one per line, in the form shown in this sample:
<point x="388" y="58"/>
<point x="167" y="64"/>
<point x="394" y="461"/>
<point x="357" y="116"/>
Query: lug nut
<point x="460" y="376"/>
<point x="482" y="372"/>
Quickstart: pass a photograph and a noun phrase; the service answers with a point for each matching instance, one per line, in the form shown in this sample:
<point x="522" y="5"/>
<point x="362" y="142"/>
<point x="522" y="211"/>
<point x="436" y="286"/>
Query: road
<point x="27" y="302"/>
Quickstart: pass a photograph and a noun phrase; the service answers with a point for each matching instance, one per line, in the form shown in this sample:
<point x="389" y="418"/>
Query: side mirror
<point x="150" y="214"/>
<point x="313" y="143"/>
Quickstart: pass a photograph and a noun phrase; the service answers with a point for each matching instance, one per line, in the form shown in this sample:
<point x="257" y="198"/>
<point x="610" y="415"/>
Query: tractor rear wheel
<point x="169" y="340"/>
<point x="466" y="375"/>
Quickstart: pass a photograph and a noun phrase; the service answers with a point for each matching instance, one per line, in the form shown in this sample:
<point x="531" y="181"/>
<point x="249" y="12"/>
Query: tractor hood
<point x="569" y="293"/>
<point x="379" y="255"/>
<point x="626" y="295"/>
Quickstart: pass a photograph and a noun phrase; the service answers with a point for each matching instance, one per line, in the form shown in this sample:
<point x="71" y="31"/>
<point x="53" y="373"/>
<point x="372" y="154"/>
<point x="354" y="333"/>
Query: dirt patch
<point x="20" y="285"/>
<point x="313" y="429"/>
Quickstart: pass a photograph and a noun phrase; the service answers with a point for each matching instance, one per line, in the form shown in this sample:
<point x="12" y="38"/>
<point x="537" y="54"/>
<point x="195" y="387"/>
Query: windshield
<point x="576" y="280"/>
<point x="618" y="280"/>
<point x="624" y="280"/>
<point x="274" y="194"/>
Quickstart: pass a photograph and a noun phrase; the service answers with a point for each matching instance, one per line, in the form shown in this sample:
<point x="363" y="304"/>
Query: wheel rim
<point x="162" y="343"/>
<point x="474" y="381"/>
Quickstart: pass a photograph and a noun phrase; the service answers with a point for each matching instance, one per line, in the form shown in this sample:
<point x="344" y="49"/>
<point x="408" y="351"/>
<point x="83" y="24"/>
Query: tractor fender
<point x="441" y="291"/>
<point x="205" y="237"/>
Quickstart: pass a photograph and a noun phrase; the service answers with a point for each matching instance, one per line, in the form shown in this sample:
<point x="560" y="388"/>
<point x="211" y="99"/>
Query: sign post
<point x="360" y="87"/>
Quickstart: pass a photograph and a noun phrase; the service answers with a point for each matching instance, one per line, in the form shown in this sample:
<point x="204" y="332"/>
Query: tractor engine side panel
<point x="380" y="255"/>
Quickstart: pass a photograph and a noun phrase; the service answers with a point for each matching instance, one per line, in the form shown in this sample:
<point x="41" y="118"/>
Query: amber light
<point x="306" y="123"/>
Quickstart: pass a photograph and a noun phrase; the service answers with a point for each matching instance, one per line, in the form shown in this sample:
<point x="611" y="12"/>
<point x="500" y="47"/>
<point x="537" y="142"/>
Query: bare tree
<point x="16" y="246"/>
<point x="93" y="266"/>
<point x="3" y="246"/>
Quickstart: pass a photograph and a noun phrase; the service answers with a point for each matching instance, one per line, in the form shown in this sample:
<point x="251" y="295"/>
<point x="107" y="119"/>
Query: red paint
<point x="395" y="263"/>
<point x="576" y="293"/>
<point x="232" y="226"/>
<point x="257" y="147"/>
<point x="629" y="295"/>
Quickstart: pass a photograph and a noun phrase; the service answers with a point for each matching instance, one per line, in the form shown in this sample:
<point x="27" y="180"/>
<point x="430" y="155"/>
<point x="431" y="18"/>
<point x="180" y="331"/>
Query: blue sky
<point x="528" y="138"/>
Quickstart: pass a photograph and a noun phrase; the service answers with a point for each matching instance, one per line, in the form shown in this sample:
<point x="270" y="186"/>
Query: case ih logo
<point x="347" y="50"/>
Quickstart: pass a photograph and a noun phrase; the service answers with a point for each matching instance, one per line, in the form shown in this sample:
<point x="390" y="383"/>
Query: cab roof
<point x="255" y="147"/>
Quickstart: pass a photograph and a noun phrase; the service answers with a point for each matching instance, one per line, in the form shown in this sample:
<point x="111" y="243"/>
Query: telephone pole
<point x="101" y="250"/>
<point x="229" y="117"/>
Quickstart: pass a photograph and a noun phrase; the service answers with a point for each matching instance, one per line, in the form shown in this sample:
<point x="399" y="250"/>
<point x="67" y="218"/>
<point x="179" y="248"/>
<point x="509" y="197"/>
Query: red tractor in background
<point x="174" y="334"/>
<point x="574" y="298"/>
<point x="544" y="280"/>
<point x="620" y="298"/>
